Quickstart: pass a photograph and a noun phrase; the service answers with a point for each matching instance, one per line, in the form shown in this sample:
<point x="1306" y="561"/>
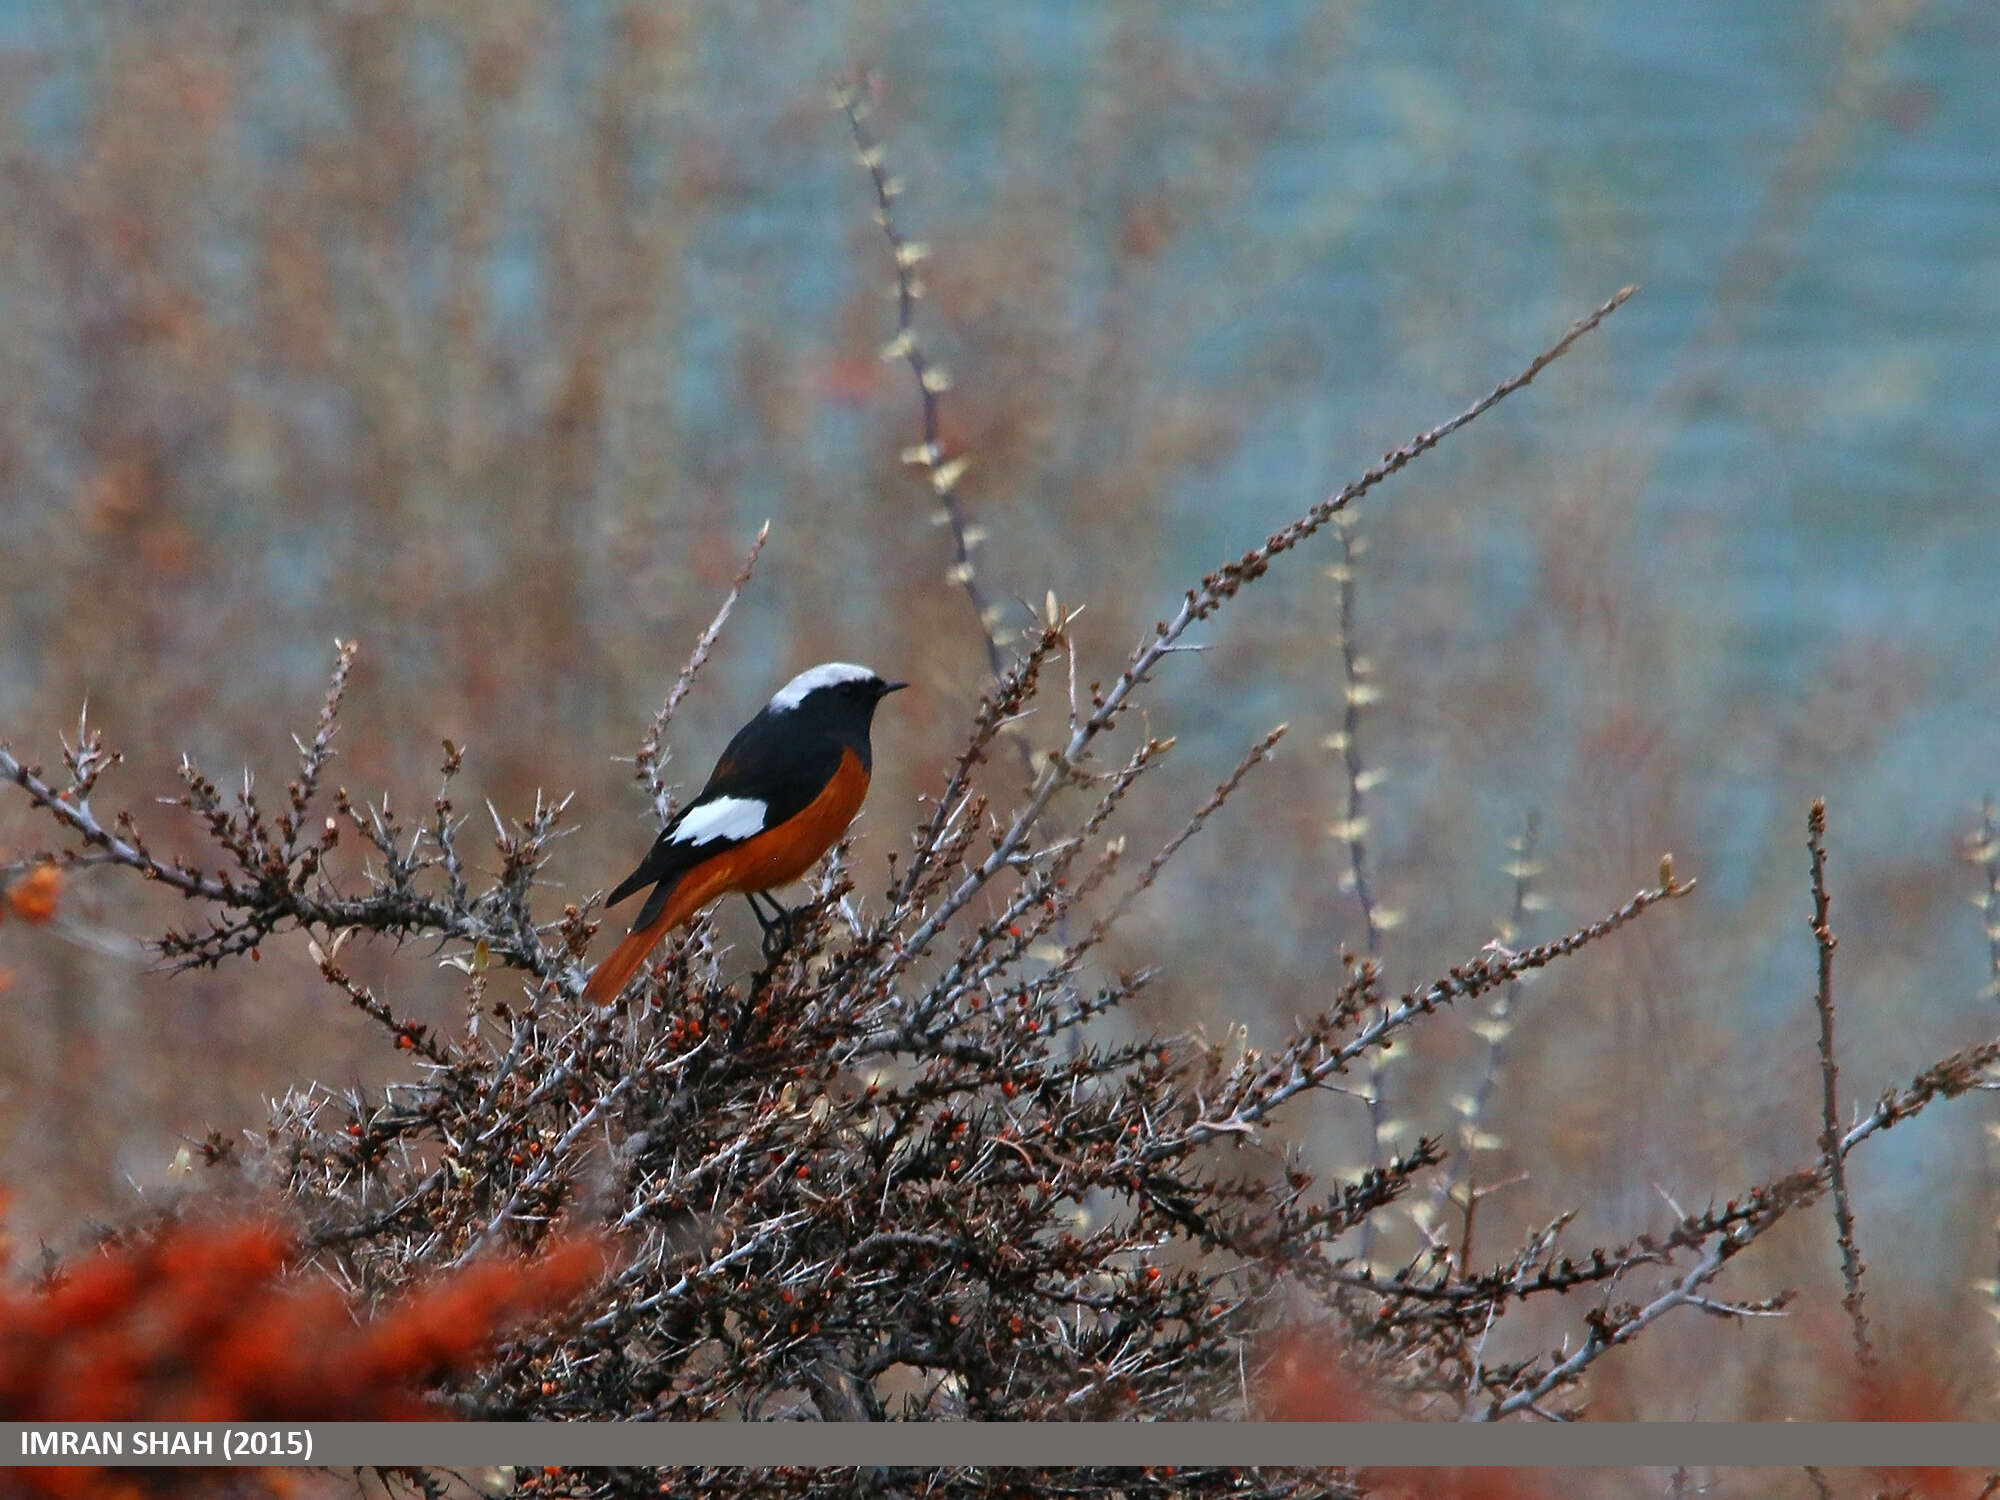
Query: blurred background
<point x="487" y="335"/>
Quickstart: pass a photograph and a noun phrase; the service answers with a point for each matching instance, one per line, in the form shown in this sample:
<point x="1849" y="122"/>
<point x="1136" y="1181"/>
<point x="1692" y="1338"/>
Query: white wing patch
<point x="724" y="818"/>
<point x="826" y="674"/>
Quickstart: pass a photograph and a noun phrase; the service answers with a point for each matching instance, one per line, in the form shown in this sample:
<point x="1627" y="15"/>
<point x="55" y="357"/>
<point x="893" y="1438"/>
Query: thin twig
<point x="1494" y="1029"/>
<point x="942" y="470"/>
<point x="1984" y="850"/>
<point x="1291" y="1073"/>
<point x="1356" y="692"/>
<point x="1829" y="1072"/>
<point x="1257" y="753"/>
<point x="649" y="766"/>
<point x="1352" y="829"/>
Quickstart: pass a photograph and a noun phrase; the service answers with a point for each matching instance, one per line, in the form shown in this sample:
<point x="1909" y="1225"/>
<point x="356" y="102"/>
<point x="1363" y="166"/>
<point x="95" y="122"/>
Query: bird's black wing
<point x="770" y="761"/>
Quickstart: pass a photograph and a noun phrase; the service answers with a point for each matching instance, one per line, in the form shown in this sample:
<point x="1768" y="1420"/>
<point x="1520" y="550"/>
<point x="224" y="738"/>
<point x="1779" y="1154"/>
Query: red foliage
<point x="1306" y="1379"/>
<point x="1896" y="1390"/>
<point x="196" y="1324"/>
<point x="33" y="897"/>
<point x="1458" y="1484"/>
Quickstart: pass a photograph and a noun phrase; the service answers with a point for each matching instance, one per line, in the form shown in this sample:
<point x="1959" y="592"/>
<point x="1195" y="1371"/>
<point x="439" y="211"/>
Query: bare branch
<point x="650" y="765"/>
<point x="1843" y="1212"/>
<point x="943" y="471"/>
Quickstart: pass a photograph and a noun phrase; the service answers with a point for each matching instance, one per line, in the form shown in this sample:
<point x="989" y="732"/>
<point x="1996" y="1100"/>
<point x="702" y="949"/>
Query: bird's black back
<point x="784" y="757"/>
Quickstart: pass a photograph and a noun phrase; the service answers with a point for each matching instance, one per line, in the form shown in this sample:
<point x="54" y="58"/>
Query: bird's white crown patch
<point x="826" y="674"/>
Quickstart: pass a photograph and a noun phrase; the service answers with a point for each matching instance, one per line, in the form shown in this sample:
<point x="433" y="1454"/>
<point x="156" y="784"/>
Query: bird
<point x="781" y="794"/>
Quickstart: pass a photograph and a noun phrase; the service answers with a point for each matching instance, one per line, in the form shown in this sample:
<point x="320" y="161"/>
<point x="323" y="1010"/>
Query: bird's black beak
<point x="890" y="687"/>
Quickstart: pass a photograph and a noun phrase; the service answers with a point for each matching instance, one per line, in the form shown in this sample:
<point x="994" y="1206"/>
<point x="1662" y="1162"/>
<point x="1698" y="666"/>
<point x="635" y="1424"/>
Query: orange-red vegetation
<point x="33" y="897"/>
<point x="197" y="1323"/>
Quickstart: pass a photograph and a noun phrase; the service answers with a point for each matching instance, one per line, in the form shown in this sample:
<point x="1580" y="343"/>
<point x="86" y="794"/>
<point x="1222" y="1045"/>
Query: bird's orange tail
<point x="691" y="892"/>
<point x="623" y="962"/>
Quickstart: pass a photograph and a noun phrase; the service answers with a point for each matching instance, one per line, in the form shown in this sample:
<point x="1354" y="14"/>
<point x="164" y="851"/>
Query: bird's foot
<point x="778" y="926"/>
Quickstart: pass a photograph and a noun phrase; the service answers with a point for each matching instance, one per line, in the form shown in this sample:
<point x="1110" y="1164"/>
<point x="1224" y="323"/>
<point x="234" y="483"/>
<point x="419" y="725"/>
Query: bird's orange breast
<point x="771" y="858"/>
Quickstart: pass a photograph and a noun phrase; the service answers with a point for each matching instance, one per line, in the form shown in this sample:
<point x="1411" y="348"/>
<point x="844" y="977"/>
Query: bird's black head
<point x="838" y="694"/>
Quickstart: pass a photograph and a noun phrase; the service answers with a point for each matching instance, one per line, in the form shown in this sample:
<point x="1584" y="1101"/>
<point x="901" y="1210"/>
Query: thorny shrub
<point x="912" y="1165"/>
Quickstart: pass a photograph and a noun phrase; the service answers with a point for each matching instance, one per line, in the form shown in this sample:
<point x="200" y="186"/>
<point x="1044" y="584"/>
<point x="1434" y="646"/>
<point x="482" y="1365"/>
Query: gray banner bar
<point x="1003" y="1444"/>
